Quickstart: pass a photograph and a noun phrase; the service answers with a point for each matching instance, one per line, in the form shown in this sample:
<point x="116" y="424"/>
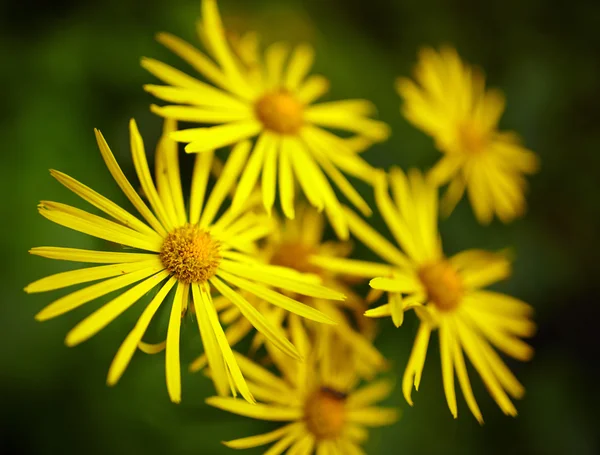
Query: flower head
<point x="447" y="294"/>
<point x="322" y="408"/>
<point x="249" y="95"/>
<point x="192" y="253"/>
<point x="449" y="102"/>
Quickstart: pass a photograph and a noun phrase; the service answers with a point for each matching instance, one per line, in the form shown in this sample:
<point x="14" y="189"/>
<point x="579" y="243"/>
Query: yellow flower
<point x="449" y="102"/>
<point x="299" y="245"/>
<point x="193" y="253"/>
<point x="319" y="403"/>
<point x="249" y="96"/>
<point x="447" y="294"/>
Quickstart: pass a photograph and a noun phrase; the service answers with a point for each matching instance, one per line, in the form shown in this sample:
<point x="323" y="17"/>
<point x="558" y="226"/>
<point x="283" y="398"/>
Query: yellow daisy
<point x="250" y="96"/>
<point x="449" y="102"/>
<point x="447" y="293"/>
<point x="293" y="244"/>
<point x="193" y="252"/>
<point x="319" y="404"/>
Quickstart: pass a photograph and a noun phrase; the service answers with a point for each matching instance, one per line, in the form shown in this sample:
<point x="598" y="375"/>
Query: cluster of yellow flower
<point x="241" y="265"/>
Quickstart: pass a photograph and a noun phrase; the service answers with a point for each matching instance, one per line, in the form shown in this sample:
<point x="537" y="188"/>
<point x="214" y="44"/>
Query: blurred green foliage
<point x="70" y="66"/>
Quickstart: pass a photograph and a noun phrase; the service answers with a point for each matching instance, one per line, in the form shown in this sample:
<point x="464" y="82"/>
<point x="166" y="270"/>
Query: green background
<point x="70" y="66"/>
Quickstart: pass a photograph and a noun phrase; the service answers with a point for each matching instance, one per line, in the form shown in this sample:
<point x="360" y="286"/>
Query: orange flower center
<point x="295" y="256"/>
<point x="443" y="284"/>
<point x="280" y="111"/>
<point x="191" y="254"/>
<point x="471" y="138"/>
<point x="325" y="413"/>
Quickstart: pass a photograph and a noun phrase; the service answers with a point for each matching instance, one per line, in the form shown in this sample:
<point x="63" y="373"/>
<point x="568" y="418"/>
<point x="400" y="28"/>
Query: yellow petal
<point x="277" y="299"/>
<point x="87" y="294"/>
<point x="88" y="256"/>
<point x="286" y="180"/>
<point x="172" y="364"/>
<point x="110" y="311"/>
<point x="414" y="368"/>
<point x="272" y="333"/>
<point x="82" y="221"/>
<point x="72" y="277"/>
<point x="104" y="204"/>
<point x="259" y="440"/>
<point x="255" y="411"/>
<point x="232" y="169"/>
<point x="130" y="344"/>
<point x="300" y="63"/>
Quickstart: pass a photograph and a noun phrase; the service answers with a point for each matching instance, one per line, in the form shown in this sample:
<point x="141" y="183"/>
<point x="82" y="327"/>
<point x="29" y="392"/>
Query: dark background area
<point x="70" y="66"/>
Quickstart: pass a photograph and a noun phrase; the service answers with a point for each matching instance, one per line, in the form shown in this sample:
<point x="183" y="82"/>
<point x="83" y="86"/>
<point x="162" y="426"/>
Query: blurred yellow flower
<point x="446" y="293"/>
<point x="293" y="244"/>
<point x="449" y="102"/>
<point x="193" y="253"/>
<point x="250" y="96"/>
<point x="323" y="409"/>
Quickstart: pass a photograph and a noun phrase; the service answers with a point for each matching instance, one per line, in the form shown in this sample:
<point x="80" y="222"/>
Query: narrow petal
<point x="270" y="275"/>
<point x="480" y="363"/>
<point x="87" y="294"/>
<point x="341" y="182"/>
<point x="140" y="163"/>
<point x="363" y="269"/>
<point x="372" y="417"/>
<point x="269" y="175"/>
<point x="300" y="162"/>
<point x="400" y="283"/>
<point x="110" y="311"/>
<point x="275" y="57"/>
<point x="259" y="440"/>
<point x="260" y="375"/>
<point x="465" y="384"/>
<point x="277" y="299"/>
<point x="293" y="435"/>
<point x="382" y="311"/>
<point x="371" y="238"/>
<point x="104" y="204"/>
<point x="200" y="114"/>
<point x="132" y="195"/>
<point x="195" y="58"/>
<point x="414" y="369"/>
<point x="230" y="361"/>
<point x="130" y="344"/>
<point x="370" y="394"/>
<point x="81" y="221"/>
<point x="256" y="411"/>
<point x="172" y="364"/>
<point x="206" y="139"/>
<point x="272" y="333"/>
<point x="252" y="171"/>
<point x="72" y="277"/>
<point x="233" y="167"/>
<point x="396" y="309"/>
<point x="168" y="149"/>
<point x="286" y="180"/>
<point x="88" y="256"/>
<point x="300" y="64"/>
<point x="202" y="166"/>
<point x="447" y="343"/>
<point x="215" y="35"/>
<point x="313" y="88"/>
<point x="210" y="343"/>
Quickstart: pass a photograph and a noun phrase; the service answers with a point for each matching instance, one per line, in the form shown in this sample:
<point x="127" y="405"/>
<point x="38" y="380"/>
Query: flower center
<point x="295" y="256"/>
<point x="325" y="413"/>
<point x="280" y="111"/>
<point x="471" y="138"/>
<point x="443" y="285"/>
<point x="191" y="254"/>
